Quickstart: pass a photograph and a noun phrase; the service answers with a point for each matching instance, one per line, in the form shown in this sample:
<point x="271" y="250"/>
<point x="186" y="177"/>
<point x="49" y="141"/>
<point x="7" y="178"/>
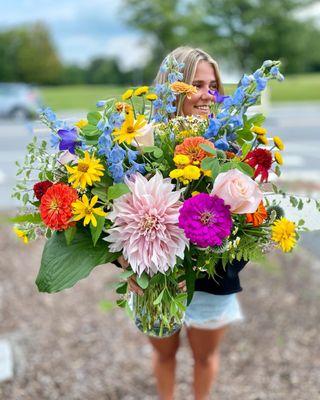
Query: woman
<point x="214" y="305"/>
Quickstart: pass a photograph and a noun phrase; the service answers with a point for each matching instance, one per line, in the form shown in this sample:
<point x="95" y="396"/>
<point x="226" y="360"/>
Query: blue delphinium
<point x="104" y="144"/>
<point x="213" y="128"/>
<point x="222" y="143"/>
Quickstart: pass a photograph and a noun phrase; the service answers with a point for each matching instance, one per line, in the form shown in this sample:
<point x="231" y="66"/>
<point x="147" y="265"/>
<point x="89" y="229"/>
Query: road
<point x="298" y="124"/>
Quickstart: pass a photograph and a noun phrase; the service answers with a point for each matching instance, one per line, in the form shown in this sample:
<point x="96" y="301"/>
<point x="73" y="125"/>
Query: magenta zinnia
<point x="146" y="225"/>
<point x="206" y="220"/>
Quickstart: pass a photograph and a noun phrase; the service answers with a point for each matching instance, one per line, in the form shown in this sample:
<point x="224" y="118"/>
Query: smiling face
<point x="204" y="80"/>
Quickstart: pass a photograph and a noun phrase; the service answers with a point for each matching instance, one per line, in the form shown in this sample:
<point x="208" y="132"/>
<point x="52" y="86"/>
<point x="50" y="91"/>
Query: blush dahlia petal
<point x="206" y="220"/>
<point x="146" y="225"/>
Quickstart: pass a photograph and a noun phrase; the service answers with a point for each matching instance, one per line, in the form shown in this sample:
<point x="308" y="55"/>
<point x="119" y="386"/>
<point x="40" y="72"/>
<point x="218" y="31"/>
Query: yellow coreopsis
<point x="130" y="128"/>
<point x="83" y="209"/>
<point x="86" y="172"/>
<point x="21" y="234"/>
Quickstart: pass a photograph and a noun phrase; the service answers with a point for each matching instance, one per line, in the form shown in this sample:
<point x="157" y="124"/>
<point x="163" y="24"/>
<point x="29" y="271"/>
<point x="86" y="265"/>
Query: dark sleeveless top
<point x="225" y="281"/>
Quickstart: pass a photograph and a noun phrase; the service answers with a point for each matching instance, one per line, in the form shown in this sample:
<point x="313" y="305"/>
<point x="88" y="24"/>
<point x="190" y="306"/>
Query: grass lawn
<point x="84" y="97"/>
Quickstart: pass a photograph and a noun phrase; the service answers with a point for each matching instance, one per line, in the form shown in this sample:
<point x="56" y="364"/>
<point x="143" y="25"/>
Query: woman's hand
<point x="132" y="283"/>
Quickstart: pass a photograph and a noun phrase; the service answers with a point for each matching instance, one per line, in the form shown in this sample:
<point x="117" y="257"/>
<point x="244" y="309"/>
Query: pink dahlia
<point x="206" y="220"/>
<point x="145" y="225"/>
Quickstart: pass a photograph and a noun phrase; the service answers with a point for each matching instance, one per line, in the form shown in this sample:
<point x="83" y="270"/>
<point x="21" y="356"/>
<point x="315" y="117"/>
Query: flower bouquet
<point x="173" y="195"/>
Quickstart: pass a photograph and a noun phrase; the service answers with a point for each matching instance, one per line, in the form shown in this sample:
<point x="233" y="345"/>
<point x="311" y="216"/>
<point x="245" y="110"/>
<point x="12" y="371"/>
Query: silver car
<point x="19" y="100"/>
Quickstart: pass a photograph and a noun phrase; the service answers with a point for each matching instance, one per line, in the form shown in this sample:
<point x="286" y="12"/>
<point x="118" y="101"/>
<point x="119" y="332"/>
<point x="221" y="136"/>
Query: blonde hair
<point x="190" y="57"/>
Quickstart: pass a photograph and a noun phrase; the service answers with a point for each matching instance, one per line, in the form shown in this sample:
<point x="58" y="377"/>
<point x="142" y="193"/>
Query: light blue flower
<point x="116" y="120"/>
<point x="157" y="104"/>
<point x="221" y="144"/>
<point x="117" y="172"/>
<point x="171" y="108"/>
<point x="238" y="96"/>
<point x="246" y="80"/>
<point x="117" y="154"/>
<point x="101" y="103"/>
<point x="132" y="155"/>
<point x="213" y="128"/>
<point x="261" y="83"/>
<point x="54" y="140"/>
<point x="274" y="70"/>
<point x="136" y="167"/>
<point x="236" y="121"/>
<point x="104" y="144"/>
<point x="227" y="102"/>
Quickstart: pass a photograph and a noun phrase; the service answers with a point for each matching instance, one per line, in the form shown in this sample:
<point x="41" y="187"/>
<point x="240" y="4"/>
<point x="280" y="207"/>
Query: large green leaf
<point x="62" y="266"/>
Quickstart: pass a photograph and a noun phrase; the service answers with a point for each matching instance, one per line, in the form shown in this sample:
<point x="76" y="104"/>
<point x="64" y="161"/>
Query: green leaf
<point x="157" y="152"/>
<point x="208" y="149"/>
<point x="96" y="230"/>
<point x="226" y="167"/>
<point x="215" y="168"/>
<point x="122" y="287"/>
<point x="245" y="134"/>
<point x="190" y="277"/>
<point x="34" y="218"/>
<point x="293" y="201"/>
<point x="126" y="274"/>
<point x="300" y="205"/>
<point x="70" y="233"/>
<point x="245" y="168"/>
<point x="143" y="281"/>
<point x="246" y="147"/>
<point x="122" y="303"/>
<point x="101" y="192"/>
<point x="277" y="170"/>
<point x="159" y="298"/>
<point x="93" y="117"/>
<point x="117" y="190"/>
<point x="106" y="305"/>
<point x="257" y="119"/>
<point x="62" y="266"/>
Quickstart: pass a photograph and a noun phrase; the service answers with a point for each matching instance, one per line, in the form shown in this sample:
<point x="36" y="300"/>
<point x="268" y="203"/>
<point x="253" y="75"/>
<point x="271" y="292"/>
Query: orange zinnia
<point x="190" y="147"/>
<point x="257" y="218"/>
<point x="183" y="88"/>
<point x="55" y="207"/>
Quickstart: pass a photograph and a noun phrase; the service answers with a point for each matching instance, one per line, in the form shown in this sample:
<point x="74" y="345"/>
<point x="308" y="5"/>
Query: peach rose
<point x="238" y="190"/>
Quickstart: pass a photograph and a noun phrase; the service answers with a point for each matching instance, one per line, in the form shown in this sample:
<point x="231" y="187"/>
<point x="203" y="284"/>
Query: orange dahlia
<point x="257" y="218"/>
<point x="190" y="147"/>
<point x="55" y="207"/>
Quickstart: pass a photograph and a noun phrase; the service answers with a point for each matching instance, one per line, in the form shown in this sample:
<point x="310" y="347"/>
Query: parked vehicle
<point x="19" y="100"/>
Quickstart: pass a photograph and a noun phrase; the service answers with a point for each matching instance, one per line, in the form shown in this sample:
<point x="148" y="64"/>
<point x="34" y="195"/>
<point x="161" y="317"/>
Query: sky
<point x="81" y="29"/>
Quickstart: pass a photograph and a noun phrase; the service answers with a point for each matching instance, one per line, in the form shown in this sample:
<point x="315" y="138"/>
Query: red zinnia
<point x="55" y="207"/>
<point x="40" y="188"/>
<point x="261" y="161"/>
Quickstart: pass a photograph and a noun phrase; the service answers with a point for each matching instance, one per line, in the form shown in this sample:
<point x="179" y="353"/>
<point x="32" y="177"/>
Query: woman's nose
<point x="205" y="95"/>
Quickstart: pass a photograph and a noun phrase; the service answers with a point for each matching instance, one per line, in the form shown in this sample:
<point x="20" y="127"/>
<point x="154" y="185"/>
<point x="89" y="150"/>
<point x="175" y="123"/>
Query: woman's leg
<point x="164" y="364"/>
<point x="205" y="348"/>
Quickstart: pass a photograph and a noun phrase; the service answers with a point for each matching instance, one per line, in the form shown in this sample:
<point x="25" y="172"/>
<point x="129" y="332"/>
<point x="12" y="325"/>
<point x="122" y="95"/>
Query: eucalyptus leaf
<point x="93" y="117"/>
<point x="143" y="280"/>
<point x="208" y="149"/>
<point x="244" y="167"/>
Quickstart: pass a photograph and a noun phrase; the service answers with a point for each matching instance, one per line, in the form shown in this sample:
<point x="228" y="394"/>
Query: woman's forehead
<point x="204" y="72"/>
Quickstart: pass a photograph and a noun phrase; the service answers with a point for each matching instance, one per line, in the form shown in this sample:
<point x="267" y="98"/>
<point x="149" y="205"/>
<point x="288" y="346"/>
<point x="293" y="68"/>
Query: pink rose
<point x="145" y="136"/>
<point x="238" y="190"/>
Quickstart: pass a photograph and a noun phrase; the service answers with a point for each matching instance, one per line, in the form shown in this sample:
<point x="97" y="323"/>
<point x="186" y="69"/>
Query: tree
<point x="29" y="53"/>
<point x="245" y="32"/>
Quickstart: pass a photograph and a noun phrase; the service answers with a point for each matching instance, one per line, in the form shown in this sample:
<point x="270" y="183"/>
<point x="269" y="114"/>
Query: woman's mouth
<point x="203" y="109"/>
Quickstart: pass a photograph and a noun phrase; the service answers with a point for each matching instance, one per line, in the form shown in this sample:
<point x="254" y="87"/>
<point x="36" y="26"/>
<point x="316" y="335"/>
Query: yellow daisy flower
<point x="278" y="142"/>
<point x="262" y="139"/>
<point x="258" y="130"/>
<point x="21" y="234"/>
<point x="140" y="91"/>
<point x="86" y="172"/>
<point x="181" y="159"/>
<point x="81" y="123"/>
<point x="191" y="172"/>
<point x="130" y="128"/>
<point x="83" y="209"/>
<point x="151" y="97"/>
<point x="284" y="233"/>
<point x="176" y="173"/>
<point x="127" y="94"/>
<point x="278" y="157"/>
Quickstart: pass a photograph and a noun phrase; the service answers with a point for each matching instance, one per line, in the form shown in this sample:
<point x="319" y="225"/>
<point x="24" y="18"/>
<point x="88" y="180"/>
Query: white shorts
<point x="211" y="311"/>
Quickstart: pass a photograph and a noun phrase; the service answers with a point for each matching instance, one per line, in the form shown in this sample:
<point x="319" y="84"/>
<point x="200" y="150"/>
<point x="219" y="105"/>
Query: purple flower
<point x="69" y="139"/>
<point x="206" y="220"/>
<point x="218" y="98"/>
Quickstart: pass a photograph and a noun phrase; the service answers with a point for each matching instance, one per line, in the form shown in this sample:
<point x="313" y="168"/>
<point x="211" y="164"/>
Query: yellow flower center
<point x="148" y="222"/>
<point x="83" y="166"/>
<point x="54" y="205"/>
